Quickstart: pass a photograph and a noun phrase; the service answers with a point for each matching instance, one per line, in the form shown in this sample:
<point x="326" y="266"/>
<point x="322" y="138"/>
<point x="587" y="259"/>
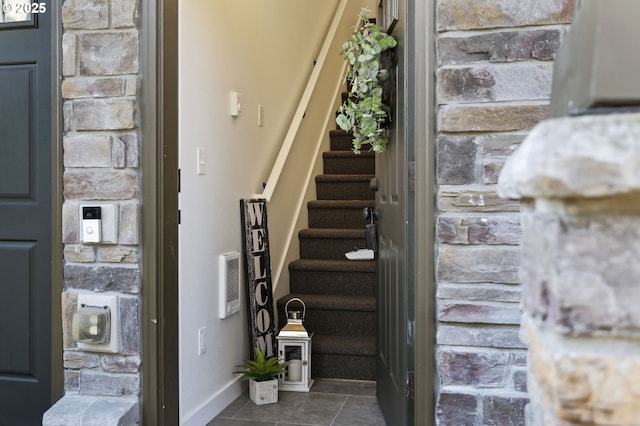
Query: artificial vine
<point x="363" y="111"/>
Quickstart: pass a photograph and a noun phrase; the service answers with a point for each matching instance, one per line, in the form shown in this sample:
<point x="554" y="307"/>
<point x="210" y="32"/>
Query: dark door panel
<point x="25" y="220"/>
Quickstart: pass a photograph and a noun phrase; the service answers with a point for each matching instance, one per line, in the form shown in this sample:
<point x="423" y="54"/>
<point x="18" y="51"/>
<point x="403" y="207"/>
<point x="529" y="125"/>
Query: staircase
<point x="339" y="293"/>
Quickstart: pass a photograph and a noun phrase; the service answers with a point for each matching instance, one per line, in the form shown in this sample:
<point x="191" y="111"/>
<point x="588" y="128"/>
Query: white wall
<point x="265" y="50"/>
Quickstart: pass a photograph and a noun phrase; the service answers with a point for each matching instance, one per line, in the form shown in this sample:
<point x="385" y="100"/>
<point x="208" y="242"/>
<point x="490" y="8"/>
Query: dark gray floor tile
<point x="237" y="405"/>
<point x="345" y="387"/>
<point x="236" y="422"/>
<point x="360" y="410"/>
<point x="296" y="408"/>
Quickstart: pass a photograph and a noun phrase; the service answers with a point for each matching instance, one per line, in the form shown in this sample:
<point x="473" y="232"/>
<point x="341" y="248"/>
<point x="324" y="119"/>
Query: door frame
<point x="421" y="113"/>
<point x="57" y="198"/>
<point x="159" y="46"/>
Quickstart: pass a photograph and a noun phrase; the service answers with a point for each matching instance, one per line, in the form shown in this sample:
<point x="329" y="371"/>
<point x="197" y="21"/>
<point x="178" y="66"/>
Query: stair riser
<point x="356" y="164"/>
<point x="326" y="248"/>
<point x="341" y="143"/>
<point x="341" y="323"/>
<point x="323" y="282"/>
<point x="328" y="366"/>
<point x="344" y="191"/>
<point x="337" y="218"/>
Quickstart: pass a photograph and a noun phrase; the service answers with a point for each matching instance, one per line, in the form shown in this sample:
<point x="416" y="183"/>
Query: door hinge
<point x="411" y="176"/>
<point x="411" y="385"/>
<point x="179" y="216"/>
<point x="179" y="179"/>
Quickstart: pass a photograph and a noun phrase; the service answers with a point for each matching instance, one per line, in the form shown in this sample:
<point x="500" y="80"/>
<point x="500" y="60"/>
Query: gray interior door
<point x="25" y="214"/>
<point x="393" y="256"/>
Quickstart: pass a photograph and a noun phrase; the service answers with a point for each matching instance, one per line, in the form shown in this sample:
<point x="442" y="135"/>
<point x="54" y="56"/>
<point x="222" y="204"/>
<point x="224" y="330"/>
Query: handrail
<point x="285" y="149"/>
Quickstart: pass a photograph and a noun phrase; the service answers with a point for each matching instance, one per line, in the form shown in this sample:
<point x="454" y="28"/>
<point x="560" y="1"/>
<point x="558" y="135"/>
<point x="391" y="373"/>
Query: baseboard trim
<point x="215" y="404"/>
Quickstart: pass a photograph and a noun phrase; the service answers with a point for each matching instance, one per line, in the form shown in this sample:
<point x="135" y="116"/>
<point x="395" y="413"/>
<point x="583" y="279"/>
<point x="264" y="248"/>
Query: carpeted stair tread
<point x="344" y="345"/>
<point x="344" y="187"/>
<point x="343" y="214"/>
<point x="329" y="243"/>
<point x="332" y="233"/>
<point x="336" y="178"/>
<point x="345" y="162"/>
<point x="341" y="140"/>
<point x="333" y="302"/>
<point x="331" y="265"/>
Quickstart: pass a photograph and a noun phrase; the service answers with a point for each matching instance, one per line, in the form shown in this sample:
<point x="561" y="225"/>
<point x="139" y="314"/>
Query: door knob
<point x="373" y="184"/>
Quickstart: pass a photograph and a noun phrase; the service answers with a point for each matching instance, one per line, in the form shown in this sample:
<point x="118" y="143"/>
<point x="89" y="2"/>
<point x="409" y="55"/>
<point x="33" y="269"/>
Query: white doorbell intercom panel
<point x="91" y="224"/>
<point x="99" y="223"/>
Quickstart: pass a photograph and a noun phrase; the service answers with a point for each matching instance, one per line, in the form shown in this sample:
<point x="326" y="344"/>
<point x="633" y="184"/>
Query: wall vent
<point x="229" y="284"/>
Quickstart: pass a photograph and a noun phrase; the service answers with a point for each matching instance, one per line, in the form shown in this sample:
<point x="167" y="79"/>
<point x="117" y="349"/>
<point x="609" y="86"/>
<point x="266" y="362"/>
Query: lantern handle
<point x="304" y="307"/>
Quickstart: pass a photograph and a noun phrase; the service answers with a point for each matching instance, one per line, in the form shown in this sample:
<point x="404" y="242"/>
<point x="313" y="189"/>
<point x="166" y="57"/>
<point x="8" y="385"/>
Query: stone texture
<point x="468" y="264"/>
<point x="456" y="160"/>
<point x="108" y="53"/>
<point x="499" y="145"/>
<point x="69" y="305"/>
<point x="491" y="171"/>
<point x="479" y="336"/>
<point x="595" y="253"/>
<point x="456" y="409"/>
<point x="121" y="364"/>
<point x="499" y="46"/>
<point x="102" y="114"/>
<point x="87" y="151"/>
<point x="129" y="223"/>
<point x="118" y="154"/>
<point x="520" y="81"/>
<point x="589" y="156"/>
<point x="85" y="410"/>
<point x="101" y="278"/>
<point x="117" y="254"/>
<point x="130" y="141"/>
<point x="108" y="384"/>
<point x="69" y="46"/>
<point x="503" y="410"/>
<point x="486" y="292"/>
<point x="70" y="222"/>
<point x="475" y="312"/>
<point x="579" y="383"/>
<point x="520" y="380"/>
<point x="93" y="87"/>
<point x="124" y="13"/>
<point x="85" y="14"/>
<point x="477" y="14"/>
<point x="79" y="254"/>
<point x="489" y="118"/>
<point x="129" y="308"/>
<point x="478" y="369"/>
<point x="473" y="199"/>
<point x="71" y="381"/>
<point x="100" y="185"/>
<point x="475" y="229"/>
<point x="76" y="360"/>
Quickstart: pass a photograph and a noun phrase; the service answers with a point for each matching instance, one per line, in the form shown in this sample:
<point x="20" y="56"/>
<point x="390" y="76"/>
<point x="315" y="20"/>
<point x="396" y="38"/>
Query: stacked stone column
<point x="578" y="180"/>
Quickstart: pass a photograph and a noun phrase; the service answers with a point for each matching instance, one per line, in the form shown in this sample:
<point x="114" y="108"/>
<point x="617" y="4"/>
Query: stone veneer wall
<point x="493" y="80"/>
<point x="100" y="88"/>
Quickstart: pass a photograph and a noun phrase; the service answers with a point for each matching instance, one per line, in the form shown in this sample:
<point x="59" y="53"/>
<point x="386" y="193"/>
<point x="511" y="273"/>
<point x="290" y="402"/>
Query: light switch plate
<point x="103" y="300"/>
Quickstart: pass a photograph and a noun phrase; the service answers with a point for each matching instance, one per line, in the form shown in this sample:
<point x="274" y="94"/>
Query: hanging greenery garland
<point x="363" y="111"/>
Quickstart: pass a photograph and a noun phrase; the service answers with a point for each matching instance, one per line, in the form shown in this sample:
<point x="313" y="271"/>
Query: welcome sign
<point x="253" y="215"/>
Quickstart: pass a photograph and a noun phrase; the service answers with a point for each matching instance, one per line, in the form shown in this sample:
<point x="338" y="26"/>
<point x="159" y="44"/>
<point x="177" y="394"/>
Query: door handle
<point x="370" y="214"/>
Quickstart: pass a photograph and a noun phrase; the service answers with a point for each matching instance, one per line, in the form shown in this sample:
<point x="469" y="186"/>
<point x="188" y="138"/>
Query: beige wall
<point x="265" y="51"/>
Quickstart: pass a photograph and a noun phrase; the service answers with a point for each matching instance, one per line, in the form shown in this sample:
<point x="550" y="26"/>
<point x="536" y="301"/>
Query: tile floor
<point x="330" y="403"/>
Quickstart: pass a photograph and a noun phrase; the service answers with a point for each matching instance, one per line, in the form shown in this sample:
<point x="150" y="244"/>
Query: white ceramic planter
<point x="263" y="392"/>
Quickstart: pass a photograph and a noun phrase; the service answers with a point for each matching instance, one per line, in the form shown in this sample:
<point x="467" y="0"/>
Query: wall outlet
<point x="202" y="340"/>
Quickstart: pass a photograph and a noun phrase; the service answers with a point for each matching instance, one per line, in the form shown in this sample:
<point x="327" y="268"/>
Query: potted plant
<point x="363" y="112"/>
<point x="262" y="374"/>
